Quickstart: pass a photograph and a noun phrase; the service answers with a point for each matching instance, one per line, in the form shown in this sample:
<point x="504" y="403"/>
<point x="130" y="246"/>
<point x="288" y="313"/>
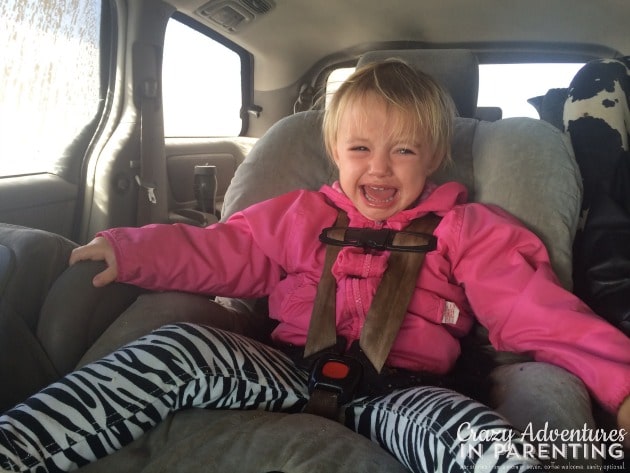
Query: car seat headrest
<point x="457" y="70"/>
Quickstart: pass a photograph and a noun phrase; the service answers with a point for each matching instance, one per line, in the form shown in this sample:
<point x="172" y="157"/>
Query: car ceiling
<point x="295" y="36"/>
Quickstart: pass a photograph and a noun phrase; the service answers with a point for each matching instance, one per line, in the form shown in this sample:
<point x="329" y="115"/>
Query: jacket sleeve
<point x="513" y="291"/>
<point x="239" y="258"/>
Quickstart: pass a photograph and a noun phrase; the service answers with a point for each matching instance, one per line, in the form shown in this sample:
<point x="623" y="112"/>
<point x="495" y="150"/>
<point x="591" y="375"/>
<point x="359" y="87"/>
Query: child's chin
<point x="377" y="214"/>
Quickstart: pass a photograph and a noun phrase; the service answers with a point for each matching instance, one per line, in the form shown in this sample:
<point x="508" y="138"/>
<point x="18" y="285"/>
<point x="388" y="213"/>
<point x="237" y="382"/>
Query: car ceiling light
<point x="233" y="15"/>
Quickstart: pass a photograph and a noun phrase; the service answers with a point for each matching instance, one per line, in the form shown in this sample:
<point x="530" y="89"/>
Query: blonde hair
<point x="424" y="106"/>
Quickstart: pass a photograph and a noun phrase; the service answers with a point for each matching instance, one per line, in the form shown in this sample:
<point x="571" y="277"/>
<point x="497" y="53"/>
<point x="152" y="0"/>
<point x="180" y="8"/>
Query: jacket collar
<point x="438" y="199"/>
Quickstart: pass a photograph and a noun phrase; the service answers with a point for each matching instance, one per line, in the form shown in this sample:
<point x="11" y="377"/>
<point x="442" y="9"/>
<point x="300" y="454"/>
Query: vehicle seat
<point x="489" y="114"/>
<point x="30" y="261"/>
<point x="44" y="332"/>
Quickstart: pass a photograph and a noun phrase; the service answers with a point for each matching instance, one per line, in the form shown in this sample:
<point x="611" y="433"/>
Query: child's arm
<point x="224" y="259"/>
<point x="514" y="293"/>
<point x="246" y="256"/>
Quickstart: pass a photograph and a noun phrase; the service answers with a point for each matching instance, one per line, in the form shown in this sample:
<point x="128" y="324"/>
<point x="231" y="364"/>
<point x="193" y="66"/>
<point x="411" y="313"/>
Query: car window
<point x="508" y="86"/>
<point x="335" y="79"/>
<point x="201" y="84"/>
<point x="49" y="79"/>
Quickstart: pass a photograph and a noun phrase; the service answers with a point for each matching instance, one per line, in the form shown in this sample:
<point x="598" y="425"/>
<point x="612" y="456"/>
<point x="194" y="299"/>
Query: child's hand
<point x="623" y="420"/>
<point x="98" y="249"/>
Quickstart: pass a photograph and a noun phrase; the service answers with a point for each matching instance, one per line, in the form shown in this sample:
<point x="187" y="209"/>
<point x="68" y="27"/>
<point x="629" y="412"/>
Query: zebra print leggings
<point x="105" y="405"/>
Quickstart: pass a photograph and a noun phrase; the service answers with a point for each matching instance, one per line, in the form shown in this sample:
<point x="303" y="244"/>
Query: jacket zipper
<point x="358" y="291"/>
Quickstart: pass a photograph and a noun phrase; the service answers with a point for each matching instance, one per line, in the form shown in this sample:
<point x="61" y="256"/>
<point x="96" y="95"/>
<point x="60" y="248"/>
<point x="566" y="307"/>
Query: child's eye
<point x="358" y="148"/>
<point x="405" y="151"/>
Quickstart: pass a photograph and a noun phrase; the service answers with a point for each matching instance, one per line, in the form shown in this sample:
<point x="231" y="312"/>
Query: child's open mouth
<point x="379" y="195"/>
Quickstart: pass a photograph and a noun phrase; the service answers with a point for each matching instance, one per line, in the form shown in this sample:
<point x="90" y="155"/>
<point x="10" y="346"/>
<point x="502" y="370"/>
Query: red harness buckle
<point x="337" y="374"/>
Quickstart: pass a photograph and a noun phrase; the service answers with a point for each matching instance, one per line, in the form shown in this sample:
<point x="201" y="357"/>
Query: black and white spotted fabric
<point x="597" y="118"/>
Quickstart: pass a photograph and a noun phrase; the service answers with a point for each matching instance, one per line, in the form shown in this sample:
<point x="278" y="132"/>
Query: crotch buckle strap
<point x="333" y="382"/>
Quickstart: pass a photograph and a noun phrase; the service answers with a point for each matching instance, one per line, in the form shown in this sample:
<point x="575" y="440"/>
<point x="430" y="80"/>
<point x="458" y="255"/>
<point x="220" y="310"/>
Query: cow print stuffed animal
<point x="597" y="118"/>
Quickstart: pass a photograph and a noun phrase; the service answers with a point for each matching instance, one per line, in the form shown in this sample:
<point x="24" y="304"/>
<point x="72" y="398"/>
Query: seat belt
<point x="152" y="206"/>
<point x="329" y="379"/>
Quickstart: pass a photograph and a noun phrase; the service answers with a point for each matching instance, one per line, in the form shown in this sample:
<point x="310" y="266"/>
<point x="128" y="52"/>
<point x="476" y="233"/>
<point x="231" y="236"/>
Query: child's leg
<point x="434" y="429"/>
<point x="105" y="405"/>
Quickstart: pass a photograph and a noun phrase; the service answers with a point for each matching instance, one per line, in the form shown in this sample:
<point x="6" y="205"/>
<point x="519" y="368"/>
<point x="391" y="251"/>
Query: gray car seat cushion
<point x="300" y="162"/>
<point x="248" y="442"/>
<point x="527" y="167"/>
<point x="64" y="330"/>
<point x="153" y="310"/>
<point x="30" y="261"/>
<point x="39" y="257"/>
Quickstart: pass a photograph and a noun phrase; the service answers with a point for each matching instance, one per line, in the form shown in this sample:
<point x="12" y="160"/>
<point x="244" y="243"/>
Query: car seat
<point x="30" y="262"/>
<point x="523" y="165"/>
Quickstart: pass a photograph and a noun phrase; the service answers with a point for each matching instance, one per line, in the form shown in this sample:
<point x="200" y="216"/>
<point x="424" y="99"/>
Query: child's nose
<point x="380" y="164"/>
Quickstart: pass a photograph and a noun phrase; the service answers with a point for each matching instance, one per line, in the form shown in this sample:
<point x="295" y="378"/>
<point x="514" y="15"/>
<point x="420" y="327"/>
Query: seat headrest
<point x="457" y="70"/>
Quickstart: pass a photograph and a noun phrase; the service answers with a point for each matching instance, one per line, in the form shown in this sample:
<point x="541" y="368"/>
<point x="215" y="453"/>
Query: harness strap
<point x="385" y="315"/>
<point x="322" y="329"/>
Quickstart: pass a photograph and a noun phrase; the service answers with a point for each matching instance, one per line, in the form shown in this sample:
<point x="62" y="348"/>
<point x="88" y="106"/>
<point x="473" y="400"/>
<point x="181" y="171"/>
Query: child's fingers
<point x="104" y="277"/>
<point x="95" y="250"/>
<point x="98" y="249"/>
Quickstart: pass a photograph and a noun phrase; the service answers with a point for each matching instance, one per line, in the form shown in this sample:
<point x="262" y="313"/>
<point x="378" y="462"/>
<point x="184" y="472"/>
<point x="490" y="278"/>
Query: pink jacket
<point x="486" y="263"/>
